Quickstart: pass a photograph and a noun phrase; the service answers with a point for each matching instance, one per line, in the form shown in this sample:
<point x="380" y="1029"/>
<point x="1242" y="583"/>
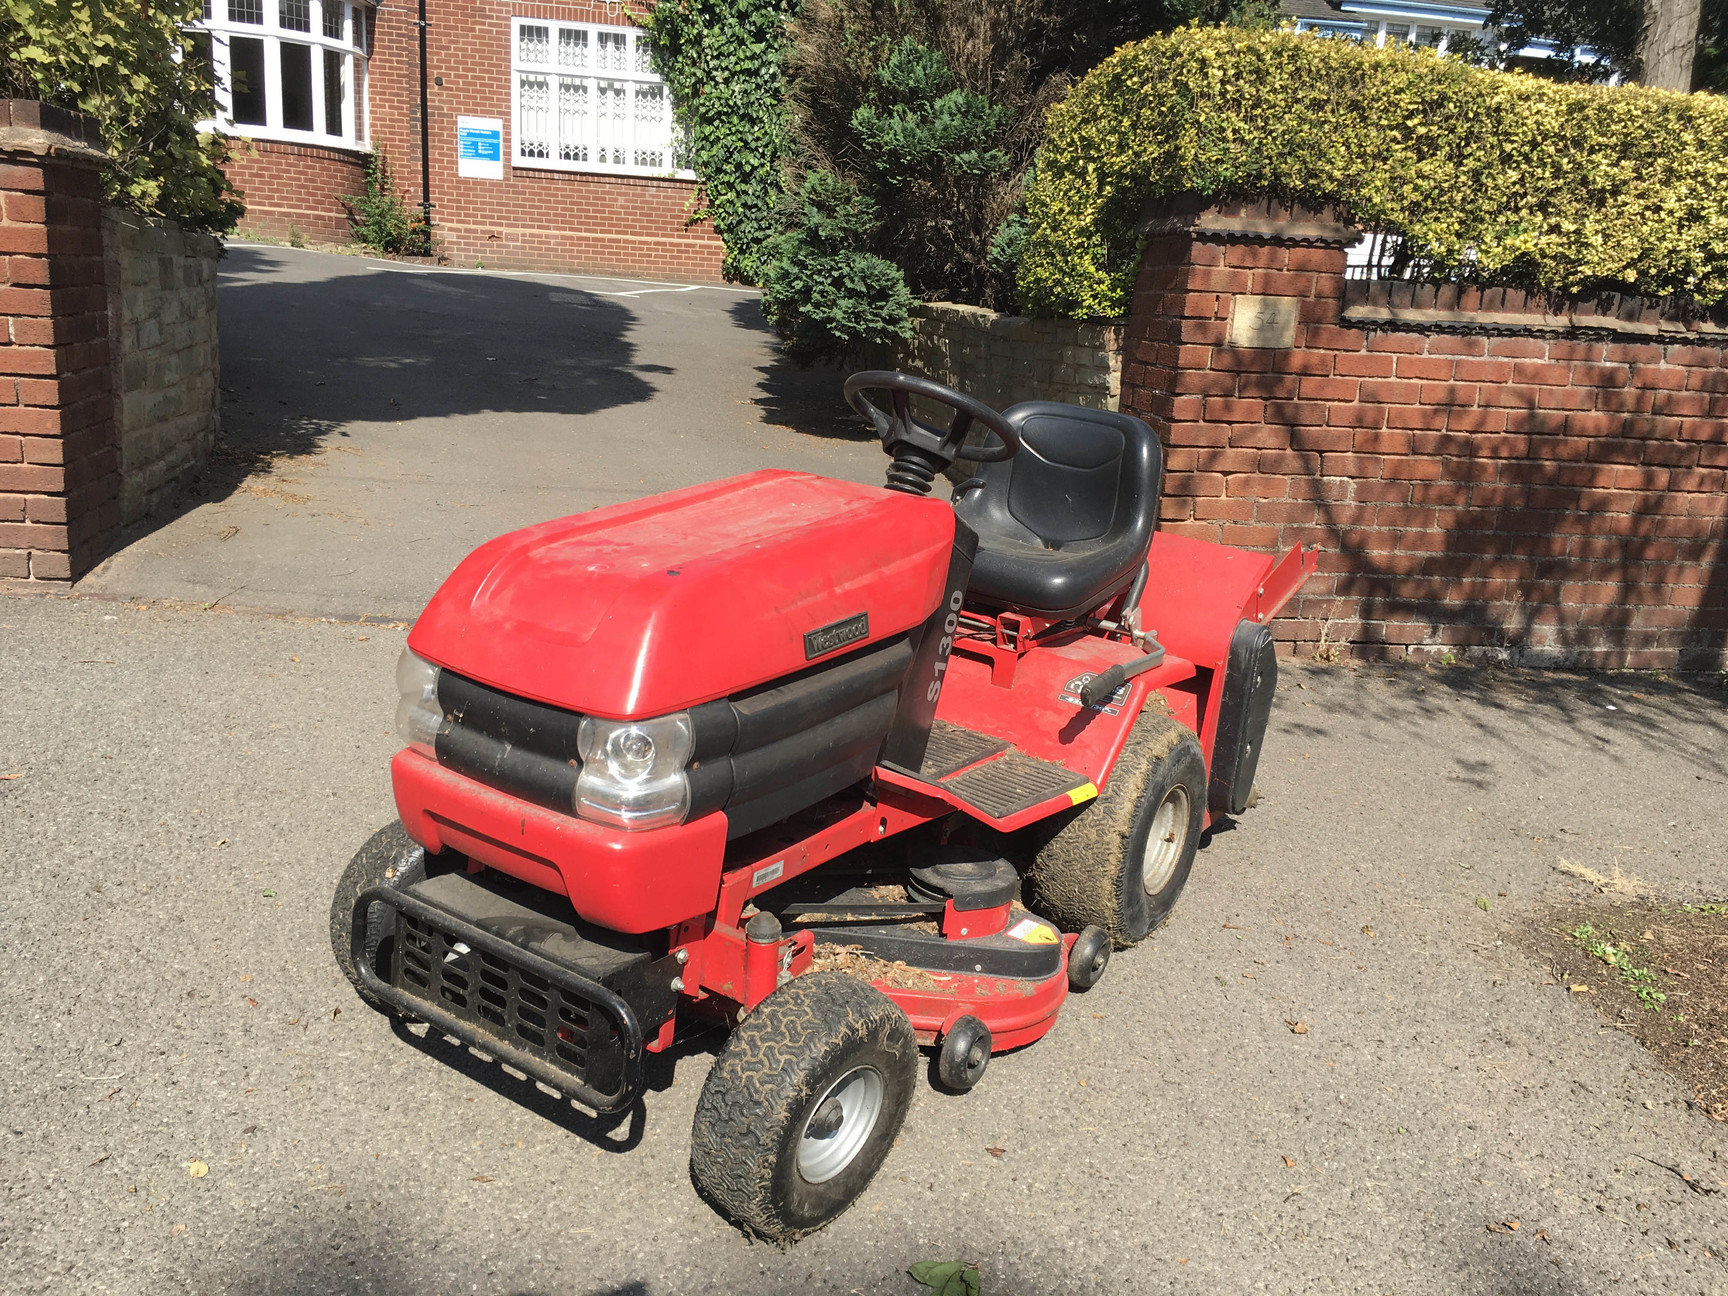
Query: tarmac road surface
<point x="190" y="784"/>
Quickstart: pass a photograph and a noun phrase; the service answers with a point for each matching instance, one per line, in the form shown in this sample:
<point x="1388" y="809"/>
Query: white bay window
<point x="292" y="70"/>
<point x="585" y="98"/>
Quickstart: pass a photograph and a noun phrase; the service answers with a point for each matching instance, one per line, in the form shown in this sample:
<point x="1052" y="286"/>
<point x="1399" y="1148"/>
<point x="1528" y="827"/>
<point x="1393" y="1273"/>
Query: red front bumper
<point x="629" y="882"/>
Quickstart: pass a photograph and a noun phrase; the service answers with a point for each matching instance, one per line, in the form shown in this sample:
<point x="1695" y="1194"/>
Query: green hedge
<point x="1492" y="177"/>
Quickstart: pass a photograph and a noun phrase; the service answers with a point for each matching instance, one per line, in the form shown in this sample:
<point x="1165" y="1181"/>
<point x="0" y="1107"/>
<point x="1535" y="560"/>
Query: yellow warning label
<point x="1033" y="932"/>
<point x="1085" y="792"/>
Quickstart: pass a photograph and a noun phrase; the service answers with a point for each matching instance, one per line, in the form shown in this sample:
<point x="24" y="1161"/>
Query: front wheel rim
<point x="840" y="1124"/>
<point x="1165" y="841"/>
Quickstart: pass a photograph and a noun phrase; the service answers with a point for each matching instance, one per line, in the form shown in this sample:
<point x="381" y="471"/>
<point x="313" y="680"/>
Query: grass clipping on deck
<point x="853" y="961"/>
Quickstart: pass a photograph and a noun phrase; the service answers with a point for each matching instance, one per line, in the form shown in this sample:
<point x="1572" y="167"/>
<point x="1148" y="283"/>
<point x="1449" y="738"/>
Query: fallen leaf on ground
<point x="1580" y="989"/>
<point x="1289" y="1163"/>
<point x="1233" y="927"/>
<point x="7" y="778"/>
<point x="178" y="1228"/>
<point x="485" y="1179"/>
<point x="197" y="1169"/>
<point x="251" y="1002"/>
<point x="1296" y="1027"/>
<point x="1507" y="1226"/>
<point x="1369" y="931"/>
<point x="1541" y="1235"/>
<point x="998" y="1153"/>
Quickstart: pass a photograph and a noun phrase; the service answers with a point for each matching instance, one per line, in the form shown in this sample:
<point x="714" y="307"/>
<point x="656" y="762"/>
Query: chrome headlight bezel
<point x="635" y="773"/>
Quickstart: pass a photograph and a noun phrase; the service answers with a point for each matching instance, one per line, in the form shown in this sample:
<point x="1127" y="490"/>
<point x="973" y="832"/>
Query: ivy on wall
<point x="134" y="68"/>
<point x="723" y="61"/>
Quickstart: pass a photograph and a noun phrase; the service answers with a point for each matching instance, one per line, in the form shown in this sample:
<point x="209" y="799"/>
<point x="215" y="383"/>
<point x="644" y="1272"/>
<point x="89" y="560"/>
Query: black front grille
<point x="525" y="748"/>
<point x="499" y="998"/>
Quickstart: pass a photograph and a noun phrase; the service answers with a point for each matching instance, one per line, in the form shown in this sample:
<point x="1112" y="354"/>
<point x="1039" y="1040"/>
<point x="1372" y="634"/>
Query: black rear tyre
<point x="803" y="1104"/>
<point x="389" y="858"/>
<point x="1121" y="861"/>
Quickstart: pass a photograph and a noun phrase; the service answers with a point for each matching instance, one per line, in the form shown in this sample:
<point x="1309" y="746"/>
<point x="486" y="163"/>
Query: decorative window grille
<point x="534" y="117"/>
<point x="587" y="99"/>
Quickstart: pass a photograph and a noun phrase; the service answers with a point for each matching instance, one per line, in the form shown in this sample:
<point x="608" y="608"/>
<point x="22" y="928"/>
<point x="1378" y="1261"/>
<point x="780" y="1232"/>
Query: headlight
<point x="418" y="715"/>
<point x="633" y="771"/>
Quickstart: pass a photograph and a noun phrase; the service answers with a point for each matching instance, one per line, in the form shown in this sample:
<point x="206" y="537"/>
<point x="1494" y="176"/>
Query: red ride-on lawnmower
<point x="849" y="770"/>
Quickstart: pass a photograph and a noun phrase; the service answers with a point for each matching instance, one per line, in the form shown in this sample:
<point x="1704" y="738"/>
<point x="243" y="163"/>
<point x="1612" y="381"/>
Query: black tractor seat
<point x="1065" y="524"/>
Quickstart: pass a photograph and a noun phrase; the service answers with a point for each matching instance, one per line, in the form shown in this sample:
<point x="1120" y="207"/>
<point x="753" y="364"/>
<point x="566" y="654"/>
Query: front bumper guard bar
<point x="472" y="1034"/>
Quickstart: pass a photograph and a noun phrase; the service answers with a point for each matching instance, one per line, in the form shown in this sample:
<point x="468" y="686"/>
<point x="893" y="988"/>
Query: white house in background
<point x="1406" y="22"/>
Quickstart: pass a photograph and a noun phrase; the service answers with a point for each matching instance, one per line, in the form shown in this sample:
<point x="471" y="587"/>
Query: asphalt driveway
<point x="191" y="782"/>
<point x="380" y="420"/>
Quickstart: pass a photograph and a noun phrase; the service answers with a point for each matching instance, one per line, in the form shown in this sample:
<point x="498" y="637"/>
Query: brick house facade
<point x="585" y="176"/>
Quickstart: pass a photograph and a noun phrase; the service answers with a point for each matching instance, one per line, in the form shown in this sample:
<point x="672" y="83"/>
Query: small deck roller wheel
<point x="965" y="1053"/>
<point x="803" y="1104"/>
<point x="1119" y="862"/>
<point x="1088" y="959"/>
<point x="389" y="858"/>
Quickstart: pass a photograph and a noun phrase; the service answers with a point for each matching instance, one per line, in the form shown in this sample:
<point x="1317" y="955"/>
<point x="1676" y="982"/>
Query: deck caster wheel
<point x="803" y="1104"/>
<point x="965" y="1053"/>
<point x="389" y="858"/>
<point x="1088" y="959"/>
<point x="1120" y="861"/>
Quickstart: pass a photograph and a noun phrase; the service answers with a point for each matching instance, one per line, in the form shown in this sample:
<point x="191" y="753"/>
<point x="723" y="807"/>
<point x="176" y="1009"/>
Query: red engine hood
<point x="644" y="608"/>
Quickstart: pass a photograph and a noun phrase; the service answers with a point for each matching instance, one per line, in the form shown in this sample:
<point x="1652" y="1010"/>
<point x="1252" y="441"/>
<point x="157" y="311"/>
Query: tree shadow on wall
<point x="309" y="347"/>
<point x="1544" y="561"/>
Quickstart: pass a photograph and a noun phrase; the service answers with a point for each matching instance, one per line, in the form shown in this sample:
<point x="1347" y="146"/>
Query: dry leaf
<point x="197" y="1169"/>
<point x="7" y="778"/>
<point x="1181" y="1259"/>
<point x="484" y="1179"/>
<point x="1082" y="1084"/>
<point x="1508" y="1226"/>
<point x="998" y="1153"/>
<point x="1541" y="1235"/>
<point x="178" y="1228"/>
<point x="1369" y="931"/>
<point x="1289" y="1164"/>
<point x="251" y="1002"/>
<point x="1296" y="1027"/>
<point x="1580" y="989"/>
<point x="1233" y="927"/>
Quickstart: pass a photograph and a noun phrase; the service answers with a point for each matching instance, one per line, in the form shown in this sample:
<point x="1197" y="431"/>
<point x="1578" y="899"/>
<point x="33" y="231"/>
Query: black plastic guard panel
<point x="525" y="1009"/>
<point x="1250" y="680"/>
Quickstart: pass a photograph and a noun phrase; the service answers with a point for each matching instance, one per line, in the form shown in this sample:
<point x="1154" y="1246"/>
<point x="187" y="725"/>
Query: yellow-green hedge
<point x="1498" y="178"/>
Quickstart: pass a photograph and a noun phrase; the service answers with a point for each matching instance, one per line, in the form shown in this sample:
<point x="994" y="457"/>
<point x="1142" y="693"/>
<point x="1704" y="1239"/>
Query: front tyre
<point x="803" y="1104"/>
<point x="389" y="858"/>
<point x="1122" y="860"/>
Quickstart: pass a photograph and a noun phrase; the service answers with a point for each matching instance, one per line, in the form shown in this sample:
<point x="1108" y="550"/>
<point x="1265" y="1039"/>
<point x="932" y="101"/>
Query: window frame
<point x="631" y="75"/>
<point x="355" y="133"/>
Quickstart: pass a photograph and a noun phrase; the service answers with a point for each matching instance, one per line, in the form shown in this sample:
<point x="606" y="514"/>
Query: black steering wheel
<point x="919" y="450"/>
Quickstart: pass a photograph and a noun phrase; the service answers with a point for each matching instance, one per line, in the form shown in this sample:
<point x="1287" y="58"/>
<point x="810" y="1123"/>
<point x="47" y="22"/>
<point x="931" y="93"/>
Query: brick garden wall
<point x="1487" y="474"/>
<point x="161" y="285"/>
<point x="294" y="187"/>
<point x="1004" y="359"/>
<point x="59" y="466"/>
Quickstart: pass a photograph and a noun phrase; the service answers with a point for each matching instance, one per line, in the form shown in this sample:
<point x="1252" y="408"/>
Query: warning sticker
<point x="1033" y="932"/>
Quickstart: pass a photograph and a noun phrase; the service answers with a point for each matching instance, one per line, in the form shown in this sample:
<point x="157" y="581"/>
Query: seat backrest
<point x="1083" y="476"/>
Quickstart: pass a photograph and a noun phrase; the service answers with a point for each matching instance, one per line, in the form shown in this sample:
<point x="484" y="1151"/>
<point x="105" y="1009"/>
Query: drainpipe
<point x="425" y="132"/>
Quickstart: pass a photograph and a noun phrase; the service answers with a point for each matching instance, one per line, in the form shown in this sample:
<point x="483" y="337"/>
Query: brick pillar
<point x="59" y="464"/>
<point x="1229" y="298"/>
